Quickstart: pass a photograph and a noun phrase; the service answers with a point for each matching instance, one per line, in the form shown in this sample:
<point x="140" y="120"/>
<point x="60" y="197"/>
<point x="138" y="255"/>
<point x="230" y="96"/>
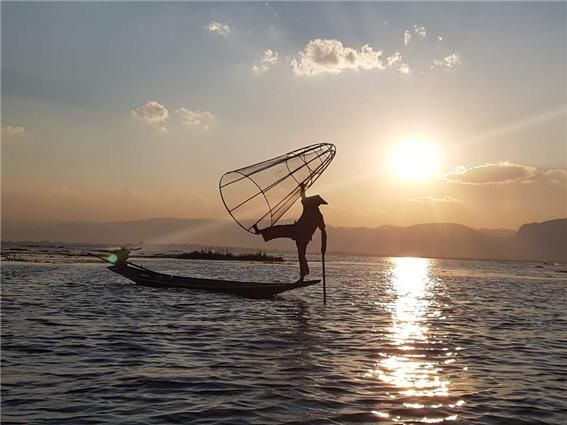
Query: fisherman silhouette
<point x="302" y="230"/>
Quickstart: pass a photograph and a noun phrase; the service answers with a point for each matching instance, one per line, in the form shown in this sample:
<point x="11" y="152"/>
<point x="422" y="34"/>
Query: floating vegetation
<point x="224" y="255"/>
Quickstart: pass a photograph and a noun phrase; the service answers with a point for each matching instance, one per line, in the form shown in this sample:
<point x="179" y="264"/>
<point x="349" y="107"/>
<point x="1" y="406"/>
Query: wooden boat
<point x="147" y="277"/>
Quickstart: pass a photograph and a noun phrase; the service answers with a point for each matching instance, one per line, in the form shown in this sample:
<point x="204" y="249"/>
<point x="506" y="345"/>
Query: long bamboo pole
<point x="324" y="280"/>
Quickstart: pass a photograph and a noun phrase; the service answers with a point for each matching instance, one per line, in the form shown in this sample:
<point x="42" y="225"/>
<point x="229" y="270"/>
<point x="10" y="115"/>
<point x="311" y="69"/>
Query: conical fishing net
<point x="262" y="193"/>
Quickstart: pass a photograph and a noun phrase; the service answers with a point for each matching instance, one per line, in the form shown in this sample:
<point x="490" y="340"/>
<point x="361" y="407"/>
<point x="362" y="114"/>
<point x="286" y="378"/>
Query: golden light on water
<point x="409" y="371"/>
<point x="408" y="365"/>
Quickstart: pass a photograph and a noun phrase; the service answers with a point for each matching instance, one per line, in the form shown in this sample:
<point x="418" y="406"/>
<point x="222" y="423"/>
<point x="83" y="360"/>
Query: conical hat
<point x="315" y="200"/>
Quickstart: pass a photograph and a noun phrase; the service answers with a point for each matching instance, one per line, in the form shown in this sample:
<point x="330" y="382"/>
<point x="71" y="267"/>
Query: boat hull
<point x="146" y="277"/>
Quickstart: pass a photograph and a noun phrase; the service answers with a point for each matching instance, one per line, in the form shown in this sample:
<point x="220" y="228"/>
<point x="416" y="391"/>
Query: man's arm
<point x="302" y="190"/>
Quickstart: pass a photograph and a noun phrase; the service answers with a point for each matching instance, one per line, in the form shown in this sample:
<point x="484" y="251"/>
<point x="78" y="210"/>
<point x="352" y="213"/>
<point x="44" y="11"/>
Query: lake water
<point x="401" y="340"/>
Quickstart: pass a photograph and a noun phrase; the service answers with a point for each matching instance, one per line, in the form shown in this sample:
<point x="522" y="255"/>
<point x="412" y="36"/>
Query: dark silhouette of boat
<point x="146" y="277"/>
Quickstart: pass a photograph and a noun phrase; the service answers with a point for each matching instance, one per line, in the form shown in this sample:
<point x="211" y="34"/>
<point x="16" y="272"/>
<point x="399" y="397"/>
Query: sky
<point x="124" y="111"/>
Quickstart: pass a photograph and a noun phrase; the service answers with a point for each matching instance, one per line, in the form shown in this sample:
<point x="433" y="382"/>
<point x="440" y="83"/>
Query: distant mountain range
<point x="545" y="241"/>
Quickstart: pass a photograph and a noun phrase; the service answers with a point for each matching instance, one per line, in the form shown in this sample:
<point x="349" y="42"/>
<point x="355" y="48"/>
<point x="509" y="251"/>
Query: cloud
<point x="443" y="199"/>
<point x="396" y="61"/>
<point x="404" y="68"/>
<point x="407" y="37"/>
<point x="152" y="113"/>
<point x="331" y="56"/>
<point x="13" y="130"/>
<point x="195" y="118"/>
<point x="499" y="173"/>
<point x="270" y="58"/>
<point x="222" y="29"/>
<point x="556" y="175"/>
<point x="157" y="115"/>
<point x="420" y="31"/>
<point x="450" y="61"/>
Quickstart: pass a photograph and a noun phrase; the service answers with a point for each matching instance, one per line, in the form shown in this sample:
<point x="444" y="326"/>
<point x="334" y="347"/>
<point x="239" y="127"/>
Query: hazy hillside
<point x="537" y="241"/>
<point x="548" y="239"/>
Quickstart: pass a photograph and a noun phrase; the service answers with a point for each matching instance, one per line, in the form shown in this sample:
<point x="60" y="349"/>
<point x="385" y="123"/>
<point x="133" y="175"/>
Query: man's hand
<point x="302" y="190"/>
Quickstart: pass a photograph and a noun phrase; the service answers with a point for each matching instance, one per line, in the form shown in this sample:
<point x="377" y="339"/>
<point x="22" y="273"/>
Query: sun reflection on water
<point x="412" y="364"/>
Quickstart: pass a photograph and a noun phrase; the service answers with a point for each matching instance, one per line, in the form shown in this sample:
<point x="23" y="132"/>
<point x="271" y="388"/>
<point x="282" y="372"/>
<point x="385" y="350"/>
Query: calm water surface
<point x="401" y="340"/>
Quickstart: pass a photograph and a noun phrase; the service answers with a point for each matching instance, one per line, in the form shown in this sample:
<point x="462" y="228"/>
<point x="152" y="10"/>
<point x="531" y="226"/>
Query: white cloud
<point x="13" y="130"/>
<point x="270" y="58"/>
<point x="332" y="56"/>
<point x="396" y="61"/>
<point x="450" y="61"/>
<point x="497" y="173"/>
<point x="152" y="113"/>
<point x="222" y="29"/>
<point x="195" y="118"/>
<point x="556" y="176"/>
<point x="156" y="115"/>
<point x="420" y="30"/>
<point x="404" y="68"/>
<point x="407" y="37"/>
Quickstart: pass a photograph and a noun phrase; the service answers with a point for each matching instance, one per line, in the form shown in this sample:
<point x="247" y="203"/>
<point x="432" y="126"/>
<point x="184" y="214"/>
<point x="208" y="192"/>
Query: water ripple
<point x="400" y="341"/>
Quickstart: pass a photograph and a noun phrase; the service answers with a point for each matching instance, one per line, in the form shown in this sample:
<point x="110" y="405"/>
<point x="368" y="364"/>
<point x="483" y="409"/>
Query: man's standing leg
<point x="301" y="254"/>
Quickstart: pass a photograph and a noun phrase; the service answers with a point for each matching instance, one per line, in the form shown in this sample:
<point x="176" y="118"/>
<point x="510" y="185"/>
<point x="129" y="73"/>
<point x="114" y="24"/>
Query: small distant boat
<point x="146" y="277"/>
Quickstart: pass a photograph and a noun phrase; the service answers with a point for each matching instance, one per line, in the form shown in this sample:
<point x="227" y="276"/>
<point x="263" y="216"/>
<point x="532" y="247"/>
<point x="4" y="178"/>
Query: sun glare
<point x="414" y="160"/>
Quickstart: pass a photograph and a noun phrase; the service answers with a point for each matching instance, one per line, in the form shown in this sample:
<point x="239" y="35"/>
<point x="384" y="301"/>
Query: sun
<point x="414" y="160"/>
